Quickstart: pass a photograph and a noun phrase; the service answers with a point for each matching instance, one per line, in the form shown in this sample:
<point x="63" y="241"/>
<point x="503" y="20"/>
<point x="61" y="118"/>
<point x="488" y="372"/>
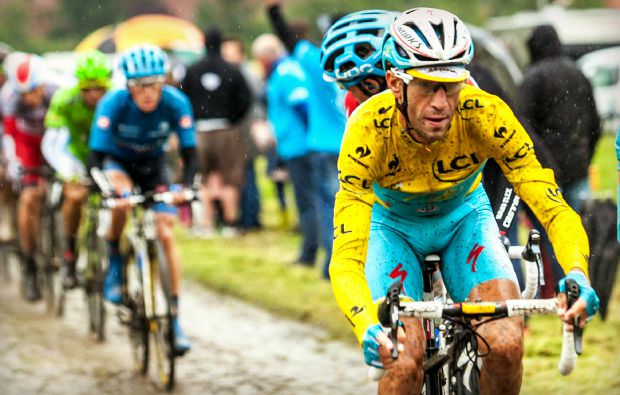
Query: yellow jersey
<point x="380" y="163"/>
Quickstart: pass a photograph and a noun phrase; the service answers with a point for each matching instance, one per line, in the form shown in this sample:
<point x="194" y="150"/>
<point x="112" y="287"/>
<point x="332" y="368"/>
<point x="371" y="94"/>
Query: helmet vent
<point x="334" y="40"/>
<point x="364" y="50"/>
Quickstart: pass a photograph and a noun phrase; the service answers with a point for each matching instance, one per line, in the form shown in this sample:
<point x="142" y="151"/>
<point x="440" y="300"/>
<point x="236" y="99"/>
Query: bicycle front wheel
<point x="161" y="324"/>
<point x="465" y="367"/>
<point x="138" y="322"/>
<point x="51" y="261"/>
<point x="96" y="259"/>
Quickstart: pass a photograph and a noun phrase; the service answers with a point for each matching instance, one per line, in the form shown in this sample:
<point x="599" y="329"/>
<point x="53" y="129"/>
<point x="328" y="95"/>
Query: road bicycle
<point x="8" y="231"/>
<point x="452" y="359"/>
<point x="92" y="264"/>
<point x="50" y="244"/>
<point x="146" y="308"/>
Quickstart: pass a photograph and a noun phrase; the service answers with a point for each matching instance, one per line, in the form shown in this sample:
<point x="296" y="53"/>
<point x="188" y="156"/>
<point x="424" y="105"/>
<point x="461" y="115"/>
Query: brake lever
<point x="572" y="294"/>
<point x="392" y="302"/>
<point x="532" y="253"/>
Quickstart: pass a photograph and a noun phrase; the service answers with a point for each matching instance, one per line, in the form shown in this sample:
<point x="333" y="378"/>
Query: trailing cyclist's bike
<point x="92" y="254"/>
<point x="146" y="286"/>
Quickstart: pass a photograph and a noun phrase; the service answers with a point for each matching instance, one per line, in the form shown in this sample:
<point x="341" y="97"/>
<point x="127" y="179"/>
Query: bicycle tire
<point x="51" y="261"/>
<point x="162" y="330"/>
<point x="93" y="283"/>
<point x="464" y="369"/>
<point x="5" y="257"/>
<point x="138" y="323"/>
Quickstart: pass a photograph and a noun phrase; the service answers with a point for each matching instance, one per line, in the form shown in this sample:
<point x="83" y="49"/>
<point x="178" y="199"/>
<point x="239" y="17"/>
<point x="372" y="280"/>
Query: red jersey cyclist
<point x="27" y="99"/>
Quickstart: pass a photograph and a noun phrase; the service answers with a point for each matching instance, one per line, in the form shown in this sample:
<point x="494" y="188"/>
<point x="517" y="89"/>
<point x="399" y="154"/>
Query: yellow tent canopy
<point x="168" y="32"/>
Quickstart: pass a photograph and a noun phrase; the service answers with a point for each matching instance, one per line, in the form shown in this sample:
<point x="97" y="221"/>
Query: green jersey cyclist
<point x="65" y="143"/>
<point x="410" y="185"/>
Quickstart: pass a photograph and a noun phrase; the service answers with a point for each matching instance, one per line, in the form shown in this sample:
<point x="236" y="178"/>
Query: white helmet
<point x="24" y="71"/>
<point x="430" y="40"/>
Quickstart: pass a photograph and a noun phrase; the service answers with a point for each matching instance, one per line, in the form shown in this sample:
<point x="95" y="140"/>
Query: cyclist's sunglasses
<point x="94" y="84"/>
<point x="348" y="84"/>
<point x="429" y="88"/>
<point x="146" y="81"/>
<point x="93" y="89"/>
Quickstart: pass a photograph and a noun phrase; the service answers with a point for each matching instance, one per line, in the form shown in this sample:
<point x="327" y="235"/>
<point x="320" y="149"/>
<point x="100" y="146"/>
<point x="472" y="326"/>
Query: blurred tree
<point x="13" y="23"/>
<point x="77" y="18"/>
<point x="73" y="19"/>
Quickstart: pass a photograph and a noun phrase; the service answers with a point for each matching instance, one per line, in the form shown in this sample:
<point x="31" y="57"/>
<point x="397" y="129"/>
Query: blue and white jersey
<point x="123" y="131"/>
<point x="326" y="113"/>
<point x="287" y="98"/>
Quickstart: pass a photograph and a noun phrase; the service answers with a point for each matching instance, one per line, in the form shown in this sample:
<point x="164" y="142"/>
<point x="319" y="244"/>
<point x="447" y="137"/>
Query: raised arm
<point x="280" y="25"/>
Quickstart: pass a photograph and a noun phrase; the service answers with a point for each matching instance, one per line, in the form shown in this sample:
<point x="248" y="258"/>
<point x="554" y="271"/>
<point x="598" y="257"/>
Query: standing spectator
<point x="221" y="98"/>
<point x="233" y="51"/>
<point x="326" y="120"/>
<point x="23" y="112"/>
<point x="287" y="97"/>
<point x="556" y="101"/>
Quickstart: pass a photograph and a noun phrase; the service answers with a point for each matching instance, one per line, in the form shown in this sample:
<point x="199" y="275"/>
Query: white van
<point x="602" y="68"/>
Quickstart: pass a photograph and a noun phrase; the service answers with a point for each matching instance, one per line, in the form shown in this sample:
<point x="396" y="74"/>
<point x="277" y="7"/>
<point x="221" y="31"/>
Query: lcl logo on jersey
<point x="452" y="170"/>
<point x="356" y="181"/>
<point x="354" y="72"/>
<point x="520" y="154"/>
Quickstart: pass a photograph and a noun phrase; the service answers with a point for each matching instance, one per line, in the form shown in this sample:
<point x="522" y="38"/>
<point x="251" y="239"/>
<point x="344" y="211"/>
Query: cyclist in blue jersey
<point x="326" y="120"/>
<point x="351" y="54"/>
<point x="127" y="140"/>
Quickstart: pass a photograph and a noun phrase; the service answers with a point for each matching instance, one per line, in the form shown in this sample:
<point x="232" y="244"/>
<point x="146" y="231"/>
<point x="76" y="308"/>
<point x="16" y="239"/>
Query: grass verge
<point x="258" y="268"/>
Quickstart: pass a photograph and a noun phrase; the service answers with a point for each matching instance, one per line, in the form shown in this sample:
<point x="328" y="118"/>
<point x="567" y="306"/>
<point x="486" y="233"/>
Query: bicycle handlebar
<point x="112" y="201"/>
<point x="571" y="340"/>
<point x="531" y="254"/>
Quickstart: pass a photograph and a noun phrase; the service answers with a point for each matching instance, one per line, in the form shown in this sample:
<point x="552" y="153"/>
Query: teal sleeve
<point x="618" y="147"/>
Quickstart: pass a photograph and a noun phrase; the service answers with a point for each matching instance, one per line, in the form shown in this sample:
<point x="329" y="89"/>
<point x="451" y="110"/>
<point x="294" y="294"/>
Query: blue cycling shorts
<point x="466" y="238"/>
<point x="148" y="175"/>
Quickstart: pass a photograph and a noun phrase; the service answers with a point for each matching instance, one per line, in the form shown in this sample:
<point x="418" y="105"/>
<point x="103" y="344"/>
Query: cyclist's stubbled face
<point x="91" y="96"/>
<point x="431" y="106"/>
<point x="146" y="96"/>
<point x="33" y="98"/>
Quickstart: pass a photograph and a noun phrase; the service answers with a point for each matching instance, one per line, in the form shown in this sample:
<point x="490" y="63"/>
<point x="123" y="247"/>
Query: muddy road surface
<point x="237" y="349"/>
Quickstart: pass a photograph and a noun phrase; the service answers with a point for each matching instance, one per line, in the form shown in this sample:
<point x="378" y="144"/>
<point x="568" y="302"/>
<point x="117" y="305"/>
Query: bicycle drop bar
<point x="572" y="294"/>
<point x="571" y="341"/>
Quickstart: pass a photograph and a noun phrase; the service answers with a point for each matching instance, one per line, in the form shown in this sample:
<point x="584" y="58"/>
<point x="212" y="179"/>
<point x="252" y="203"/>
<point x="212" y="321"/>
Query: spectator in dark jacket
<point x="221" y="98"/>
<point x="556" y="103"/>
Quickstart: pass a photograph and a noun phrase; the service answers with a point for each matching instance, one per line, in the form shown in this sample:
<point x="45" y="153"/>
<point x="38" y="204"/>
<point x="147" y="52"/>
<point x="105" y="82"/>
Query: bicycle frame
<point x="448" y="361"/>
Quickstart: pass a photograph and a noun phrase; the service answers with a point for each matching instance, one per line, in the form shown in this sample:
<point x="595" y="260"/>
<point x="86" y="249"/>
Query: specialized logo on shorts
<point x="185" y="122"/>
<point x="473" y="256"/>
<point x="399" y="273"/>
<point x="103" y="122"/>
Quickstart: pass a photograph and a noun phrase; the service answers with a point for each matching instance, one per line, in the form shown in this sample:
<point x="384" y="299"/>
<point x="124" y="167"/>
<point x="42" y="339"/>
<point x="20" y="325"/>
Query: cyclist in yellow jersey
<point x="410" y="170"/>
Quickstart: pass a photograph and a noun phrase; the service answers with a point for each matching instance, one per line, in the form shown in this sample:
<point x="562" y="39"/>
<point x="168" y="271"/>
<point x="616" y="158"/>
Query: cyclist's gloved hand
<point x="14" y="170"/>
<point x="586" y="292"/>
<point x="370" y="344"/>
